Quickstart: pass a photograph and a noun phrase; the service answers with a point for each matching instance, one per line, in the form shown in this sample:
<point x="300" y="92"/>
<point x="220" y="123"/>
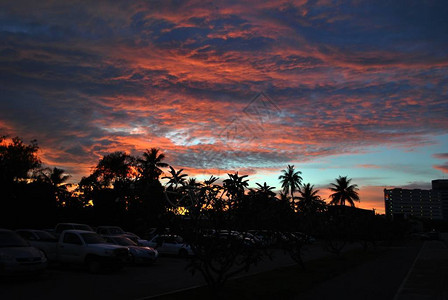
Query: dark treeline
<point x="126" y="190"/>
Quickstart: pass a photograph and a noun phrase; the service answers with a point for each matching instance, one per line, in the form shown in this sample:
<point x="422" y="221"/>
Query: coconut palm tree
<point x="291" y="181"/>
<point x="344" y="192"/>
<point x="56" y="178"/>
<point x="150" y="164"/>
<point x="176" y="178"/>
<point x="309" y="200"/>
<point x="265" y="190"/>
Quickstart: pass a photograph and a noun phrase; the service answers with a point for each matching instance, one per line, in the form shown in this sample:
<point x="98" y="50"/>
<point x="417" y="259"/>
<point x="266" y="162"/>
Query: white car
<point x="18" y="257"/>
<point x="42" y="240"/>
<point x="139" y="254"/>
<point x="170" y="244"/>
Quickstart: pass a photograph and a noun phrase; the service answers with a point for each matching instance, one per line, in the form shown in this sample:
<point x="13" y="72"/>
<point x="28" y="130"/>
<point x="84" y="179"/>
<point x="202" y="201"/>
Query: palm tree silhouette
<point x="176" y="178"/>
<point x="151" y="163"/>
<point x="56" y="178"/>
<point x="235" y="185"/>
<point x="309" y="200"/>
<point x="265" y="190"/>
<point x="343" y="192"/>
<point x="291" y="181"/>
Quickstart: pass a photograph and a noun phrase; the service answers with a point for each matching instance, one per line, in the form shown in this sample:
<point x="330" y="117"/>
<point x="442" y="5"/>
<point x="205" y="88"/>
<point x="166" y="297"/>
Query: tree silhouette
<point x="235" y="185"/>
<point x="17" y="160"/>
<point x="149" y="166"/>
<point x="176" y="178"/>
<point x="309" y="200"/>
<point x="114" y="168"/>
<point x="344" y="192"/>
<point x="56" y="178"/>
<point x="291" y="181"/>
<point x="264" y="190"/>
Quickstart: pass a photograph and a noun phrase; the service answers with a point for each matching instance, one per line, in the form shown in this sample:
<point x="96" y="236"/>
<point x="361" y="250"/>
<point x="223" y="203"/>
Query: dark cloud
<point x="440" y="155"/>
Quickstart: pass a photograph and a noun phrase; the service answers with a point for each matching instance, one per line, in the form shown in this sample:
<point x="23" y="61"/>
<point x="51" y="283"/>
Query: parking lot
<point x="133" y="282"/>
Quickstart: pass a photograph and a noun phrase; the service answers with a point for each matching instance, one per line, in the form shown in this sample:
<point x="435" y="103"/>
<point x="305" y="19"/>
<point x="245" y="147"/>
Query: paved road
<point x="428" y="277"/>
<point x="377" y="279"/>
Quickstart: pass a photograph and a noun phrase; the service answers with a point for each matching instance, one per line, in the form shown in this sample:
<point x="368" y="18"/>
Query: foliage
<point x="17" y="160"/>
<point x="344" y="192"/>
<point x="291" y="181"/>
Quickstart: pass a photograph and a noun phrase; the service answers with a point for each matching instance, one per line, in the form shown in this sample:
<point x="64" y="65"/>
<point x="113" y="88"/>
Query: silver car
<point x="18" y="257"/>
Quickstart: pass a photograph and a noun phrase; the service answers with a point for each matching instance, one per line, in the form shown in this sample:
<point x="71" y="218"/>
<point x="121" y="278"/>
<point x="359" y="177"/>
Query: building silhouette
<point x="425" y="204"/>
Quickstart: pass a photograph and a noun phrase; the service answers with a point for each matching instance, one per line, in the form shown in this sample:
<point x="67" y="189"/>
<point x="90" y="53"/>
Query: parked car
<point x="67" y="226"/>
<point x="170" y="244"/>
<point x="42" y="240"/>
<point x="18" y="257"/>
<point x="90" y="249"/>
<point x="139" y="254"/>
<point x="115" y="230"/>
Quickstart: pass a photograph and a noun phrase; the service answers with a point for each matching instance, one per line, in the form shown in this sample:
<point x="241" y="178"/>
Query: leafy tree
<point x="291" y="181"/>
<point x="343" y="192"/>
<point x="114" y="168"/>
<point x="17" y="160"/>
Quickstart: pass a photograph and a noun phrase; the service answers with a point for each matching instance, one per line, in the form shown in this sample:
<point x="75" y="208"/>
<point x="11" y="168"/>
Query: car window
<point x="71" y="238"/>
<point x="116" y="230"/>
<point x="27" y="235"/>
<point x="46" y="236"/>
<point x="11" y="239"/>
<point x="170" y="239"/>
<point x="82" y="227"/>
<point x="92" y="238"/>
<point x="123" y="241"/>
<point x="62" y="227"/>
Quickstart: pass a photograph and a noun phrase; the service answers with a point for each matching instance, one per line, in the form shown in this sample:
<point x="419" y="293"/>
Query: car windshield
<point x="123" y="241"/>
<point x="82" y="227"/>
<point x="116" y="230"/>
<point x="45" y="236"/>
<point x="93" y="238"/>
<point x="11" y="239"/>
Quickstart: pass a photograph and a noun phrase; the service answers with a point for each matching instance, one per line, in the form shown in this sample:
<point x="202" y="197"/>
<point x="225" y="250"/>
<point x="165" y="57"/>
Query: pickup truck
<point x="90" y="249"/>
<point x="81" y="247"/>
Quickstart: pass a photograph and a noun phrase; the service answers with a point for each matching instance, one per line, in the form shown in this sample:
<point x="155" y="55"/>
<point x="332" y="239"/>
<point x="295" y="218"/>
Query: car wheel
<point x="183" y="253"/>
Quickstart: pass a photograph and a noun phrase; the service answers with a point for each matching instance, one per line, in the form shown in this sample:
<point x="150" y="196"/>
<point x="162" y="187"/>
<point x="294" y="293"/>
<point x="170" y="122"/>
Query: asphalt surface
<point x="428" y="277"/>
<point x="393" y="275"/>
<point x="409" y="272"/>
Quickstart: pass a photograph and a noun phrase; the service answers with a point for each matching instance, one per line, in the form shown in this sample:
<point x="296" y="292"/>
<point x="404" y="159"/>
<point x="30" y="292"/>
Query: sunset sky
<point x="358" y="89"/>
